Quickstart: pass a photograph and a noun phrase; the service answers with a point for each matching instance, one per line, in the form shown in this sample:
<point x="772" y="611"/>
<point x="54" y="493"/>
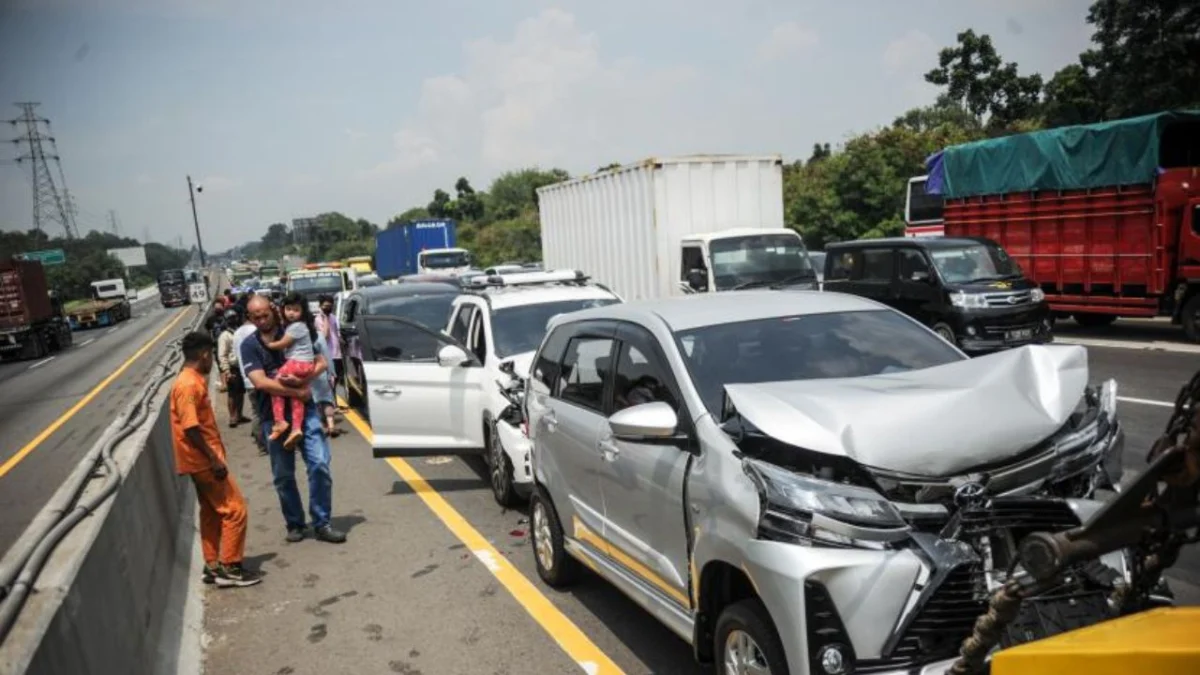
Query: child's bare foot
<point x="278" y="430"/>
<point x="292" y="439"/>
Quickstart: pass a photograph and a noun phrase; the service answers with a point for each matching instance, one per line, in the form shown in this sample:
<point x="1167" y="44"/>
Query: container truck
<point x="109" y="306"/>
<point x="671" y="226"/>
<point x="1104" y="217"/>
<point x="419" y="246"/>
<point x="32" y="321"/>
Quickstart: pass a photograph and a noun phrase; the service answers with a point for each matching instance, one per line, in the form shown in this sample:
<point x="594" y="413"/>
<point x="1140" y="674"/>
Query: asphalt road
<point x="36" y="395"/>
<point x="406" y="595"/>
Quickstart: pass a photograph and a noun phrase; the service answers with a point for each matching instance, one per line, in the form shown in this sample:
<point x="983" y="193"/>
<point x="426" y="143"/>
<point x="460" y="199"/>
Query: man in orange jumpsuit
<point x="199" y="453"/>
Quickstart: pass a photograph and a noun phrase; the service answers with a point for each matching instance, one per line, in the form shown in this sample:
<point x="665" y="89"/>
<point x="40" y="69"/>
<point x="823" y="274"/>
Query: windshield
<point x="808" y="347"/>
<point x="438" y="261"/>
<point x="974" y="262"/>
<point x="170" y="276"/>
<point x="431" y="311"/>
<point x="316" y="284"/>
<point x="761" y="259"/>
<point x="516" y="330"/>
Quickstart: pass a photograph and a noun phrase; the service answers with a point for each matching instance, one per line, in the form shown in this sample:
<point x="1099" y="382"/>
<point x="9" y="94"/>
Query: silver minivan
<point x="803" y="482"/>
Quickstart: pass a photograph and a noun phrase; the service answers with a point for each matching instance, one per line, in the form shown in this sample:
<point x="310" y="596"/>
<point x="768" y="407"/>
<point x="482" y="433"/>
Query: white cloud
<point x="787" y="40"/>
<point x="910" y="52"/>
<point x="546" y="95"/>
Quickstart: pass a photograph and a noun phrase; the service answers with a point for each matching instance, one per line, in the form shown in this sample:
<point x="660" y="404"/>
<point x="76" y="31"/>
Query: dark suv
<point x="968" y="289"/>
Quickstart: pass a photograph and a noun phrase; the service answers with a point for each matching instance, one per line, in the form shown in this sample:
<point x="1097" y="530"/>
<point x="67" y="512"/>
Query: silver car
<point x="811" y="482"/>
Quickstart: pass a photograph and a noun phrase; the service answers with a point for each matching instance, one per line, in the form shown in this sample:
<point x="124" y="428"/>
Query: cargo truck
<point x="417" y="247"/>
<point x="1104" y="217"/>
<point x="673" y="226"/>
<point x="109" y="306"/>
<point x="173" y="288"/>
<point x="32" y="321"/>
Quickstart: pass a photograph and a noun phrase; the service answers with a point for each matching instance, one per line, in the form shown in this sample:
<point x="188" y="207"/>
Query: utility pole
<point x="51" y="201"/>
<point x="112" y="222"/>
<point x="195" y="219"/>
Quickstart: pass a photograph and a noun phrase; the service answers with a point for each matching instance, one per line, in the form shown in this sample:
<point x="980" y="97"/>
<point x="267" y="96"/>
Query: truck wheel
<point x="1095" y="320"/>
<point x="1190" y="318"/>
<point x="66" y="337"/>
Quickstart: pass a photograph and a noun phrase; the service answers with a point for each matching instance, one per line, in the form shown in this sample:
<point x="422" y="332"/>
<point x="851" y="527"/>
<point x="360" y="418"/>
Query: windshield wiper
<point x="757" y="283"/>
<point x="795" y="278"/>
<point x="776" y="283"/>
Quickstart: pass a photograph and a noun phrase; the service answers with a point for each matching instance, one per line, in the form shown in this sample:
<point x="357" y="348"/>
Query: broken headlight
<point x="803" y="509"/>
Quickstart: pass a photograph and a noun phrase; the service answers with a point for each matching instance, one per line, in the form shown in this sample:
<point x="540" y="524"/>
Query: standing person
<point x="231" y="374"/>
<point x="245" y="330"/>
<point x="299" y="355"/>
<point x="261" y="364"/>
<point x="199" y="453"/>
<point x="328" y="325"/>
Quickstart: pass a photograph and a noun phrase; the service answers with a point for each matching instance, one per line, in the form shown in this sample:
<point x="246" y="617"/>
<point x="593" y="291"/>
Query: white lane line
<point x="1142" y="345"/>
<point x="41" y="363"/>
<point x="87" y="342"/>
<point x="1146" y="401"/>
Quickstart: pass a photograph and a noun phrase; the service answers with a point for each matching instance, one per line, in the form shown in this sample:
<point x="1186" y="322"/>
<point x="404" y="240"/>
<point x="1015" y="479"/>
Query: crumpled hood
<point x="935" y="422"/>
<point x="522" y="364"/>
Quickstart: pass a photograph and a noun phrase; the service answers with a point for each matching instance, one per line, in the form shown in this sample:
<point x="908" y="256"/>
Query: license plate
<point x="1022" y="334"/>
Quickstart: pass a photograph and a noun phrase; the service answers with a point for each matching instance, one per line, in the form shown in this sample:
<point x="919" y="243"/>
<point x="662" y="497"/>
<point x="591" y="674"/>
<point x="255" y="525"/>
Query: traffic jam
<point x="875" y="458"/>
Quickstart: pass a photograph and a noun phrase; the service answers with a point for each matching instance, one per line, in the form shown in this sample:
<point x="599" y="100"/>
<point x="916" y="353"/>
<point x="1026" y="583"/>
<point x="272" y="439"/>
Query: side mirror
<point x="920" y="276"/>
<point x="645" y="422"/>
<point x="697" y="279"/>
<point x="452" y="356"/>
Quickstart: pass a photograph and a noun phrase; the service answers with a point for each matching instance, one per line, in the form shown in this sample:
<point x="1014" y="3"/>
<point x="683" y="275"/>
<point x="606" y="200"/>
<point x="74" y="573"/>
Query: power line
<point x="113" y="223"/>
<point x="51" y="201"/>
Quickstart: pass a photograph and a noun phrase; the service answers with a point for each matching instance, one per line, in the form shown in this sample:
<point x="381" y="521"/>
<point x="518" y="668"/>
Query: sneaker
<point x="294" y="536"/>
<point x="234" y="576"/>
<point x="209" y="576"/>
<point x="328" y="534"/>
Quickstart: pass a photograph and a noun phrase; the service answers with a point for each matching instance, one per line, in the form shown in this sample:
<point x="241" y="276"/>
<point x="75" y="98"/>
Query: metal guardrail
<point x="19" y="571"/>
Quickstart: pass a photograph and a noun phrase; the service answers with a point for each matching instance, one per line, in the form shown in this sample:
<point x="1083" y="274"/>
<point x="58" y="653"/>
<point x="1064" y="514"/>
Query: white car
<point x="466" y="400"/>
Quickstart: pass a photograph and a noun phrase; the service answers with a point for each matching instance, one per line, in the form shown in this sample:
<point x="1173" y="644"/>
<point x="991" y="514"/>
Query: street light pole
<point x="195" y="220"/>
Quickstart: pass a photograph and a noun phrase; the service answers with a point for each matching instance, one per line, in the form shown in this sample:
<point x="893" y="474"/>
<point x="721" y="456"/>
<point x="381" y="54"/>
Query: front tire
<point x="944" y="330"/>
<point x="500" y="469"/>
<point x="555" y="566"/>
<point x="746" y="641"/>
<point x="1191" y="318"/>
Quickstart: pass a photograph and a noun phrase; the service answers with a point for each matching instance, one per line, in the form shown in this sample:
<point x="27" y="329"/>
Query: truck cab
<point x="112" y="289"/>
<point x="443" y="261"/>
<point x="745" y="258"/>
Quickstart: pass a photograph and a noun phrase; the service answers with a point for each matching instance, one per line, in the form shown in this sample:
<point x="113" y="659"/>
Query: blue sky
<point x="287" y="108"/>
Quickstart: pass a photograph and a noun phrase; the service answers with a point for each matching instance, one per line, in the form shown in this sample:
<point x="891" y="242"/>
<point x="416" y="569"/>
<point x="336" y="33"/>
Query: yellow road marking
<point x="554" y="622"/>
<point x="87" y="398"/>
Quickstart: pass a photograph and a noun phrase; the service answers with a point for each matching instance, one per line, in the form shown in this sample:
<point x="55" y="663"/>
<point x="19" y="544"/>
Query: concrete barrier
<point x="110" y="599"/>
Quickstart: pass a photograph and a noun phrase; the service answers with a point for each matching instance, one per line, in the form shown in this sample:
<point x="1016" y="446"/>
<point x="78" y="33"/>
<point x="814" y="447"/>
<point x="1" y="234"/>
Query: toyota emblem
<point x="969" y="494"/>
<point x="1012" y="300"/>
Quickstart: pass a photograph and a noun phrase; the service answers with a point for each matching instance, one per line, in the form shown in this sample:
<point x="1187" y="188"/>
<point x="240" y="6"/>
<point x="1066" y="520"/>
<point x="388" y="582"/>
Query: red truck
<point x="1104" y="217"/>
<point x="32" y="321"/>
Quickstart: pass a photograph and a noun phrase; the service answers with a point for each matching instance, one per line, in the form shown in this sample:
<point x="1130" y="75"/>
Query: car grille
<point x="1019" y="515"/>
<point x="1014" y="299"/>
<point x="939" y="628"/>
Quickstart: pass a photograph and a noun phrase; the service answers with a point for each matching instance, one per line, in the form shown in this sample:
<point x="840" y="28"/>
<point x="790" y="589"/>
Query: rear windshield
<point x="807" y="347"/>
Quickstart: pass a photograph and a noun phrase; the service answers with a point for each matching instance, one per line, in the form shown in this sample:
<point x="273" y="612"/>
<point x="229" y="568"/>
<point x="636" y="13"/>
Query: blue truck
<point x="418" y="247"/>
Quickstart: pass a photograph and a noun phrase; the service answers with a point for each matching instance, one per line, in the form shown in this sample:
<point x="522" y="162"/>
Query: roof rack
<point x="565" y="277"/>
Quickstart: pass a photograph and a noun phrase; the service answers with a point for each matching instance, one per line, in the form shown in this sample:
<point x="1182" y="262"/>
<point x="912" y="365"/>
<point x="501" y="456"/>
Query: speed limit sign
<point x="198" y="292"/>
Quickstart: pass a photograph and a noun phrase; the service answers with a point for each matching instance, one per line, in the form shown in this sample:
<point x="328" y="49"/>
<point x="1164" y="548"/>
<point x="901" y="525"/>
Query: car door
<point x="420" y="404"/>
<point x="642" y="483"/>
<point x="914" y="291"/>
<point x="873" y="275"/>
<point x="570" y="420"/>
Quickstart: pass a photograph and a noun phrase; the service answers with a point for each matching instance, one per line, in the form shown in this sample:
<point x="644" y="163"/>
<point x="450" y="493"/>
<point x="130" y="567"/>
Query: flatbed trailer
<point x="108" y="307"/>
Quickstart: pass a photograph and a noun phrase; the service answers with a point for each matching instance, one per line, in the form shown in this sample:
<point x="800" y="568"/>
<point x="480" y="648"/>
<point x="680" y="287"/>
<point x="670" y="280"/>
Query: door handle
<point x="609" y="451"/>
<point x="387" y="391"/>
<point x="551" y="422"/>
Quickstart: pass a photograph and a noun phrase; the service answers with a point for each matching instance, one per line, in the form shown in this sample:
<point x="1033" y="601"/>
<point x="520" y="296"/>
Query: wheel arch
<point x="721" y="584"/>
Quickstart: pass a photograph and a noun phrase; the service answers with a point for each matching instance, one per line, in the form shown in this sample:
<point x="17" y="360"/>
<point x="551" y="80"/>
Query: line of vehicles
<point x="748" y="459"/>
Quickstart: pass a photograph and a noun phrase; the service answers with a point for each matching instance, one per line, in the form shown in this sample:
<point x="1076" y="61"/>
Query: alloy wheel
<point x="544" y="545"/>
<point x="743" y="656"/>
<point x="496" y="454"/>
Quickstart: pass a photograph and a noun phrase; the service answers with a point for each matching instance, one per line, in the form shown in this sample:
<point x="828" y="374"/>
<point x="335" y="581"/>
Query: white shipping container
<point x="624" y="227"/>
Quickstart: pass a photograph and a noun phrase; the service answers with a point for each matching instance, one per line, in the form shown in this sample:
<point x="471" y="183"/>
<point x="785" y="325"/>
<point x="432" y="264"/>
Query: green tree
<point x="277" y="238"/>
<point x="1147" y="55"/>
<point x="609" y="167"/>
<point x="976" y="78"/>
<point x="415" y="213"/>
<point x="515" y="192"/>
<point x="440" y="206"/>
<point x="468" y="205"/>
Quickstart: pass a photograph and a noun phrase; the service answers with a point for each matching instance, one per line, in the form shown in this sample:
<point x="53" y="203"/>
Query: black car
<point x="968" y="290"/>
<point x="427" y="303"/>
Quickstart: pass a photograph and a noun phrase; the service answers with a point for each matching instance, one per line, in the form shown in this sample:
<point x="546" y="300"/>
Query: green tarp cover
<point x="1122" y="152"/>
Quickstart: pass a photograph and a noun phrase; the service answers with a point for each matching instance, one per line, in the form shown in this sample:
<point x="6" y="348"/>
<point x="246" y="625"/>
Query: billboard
<point x="134" y="256"/>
